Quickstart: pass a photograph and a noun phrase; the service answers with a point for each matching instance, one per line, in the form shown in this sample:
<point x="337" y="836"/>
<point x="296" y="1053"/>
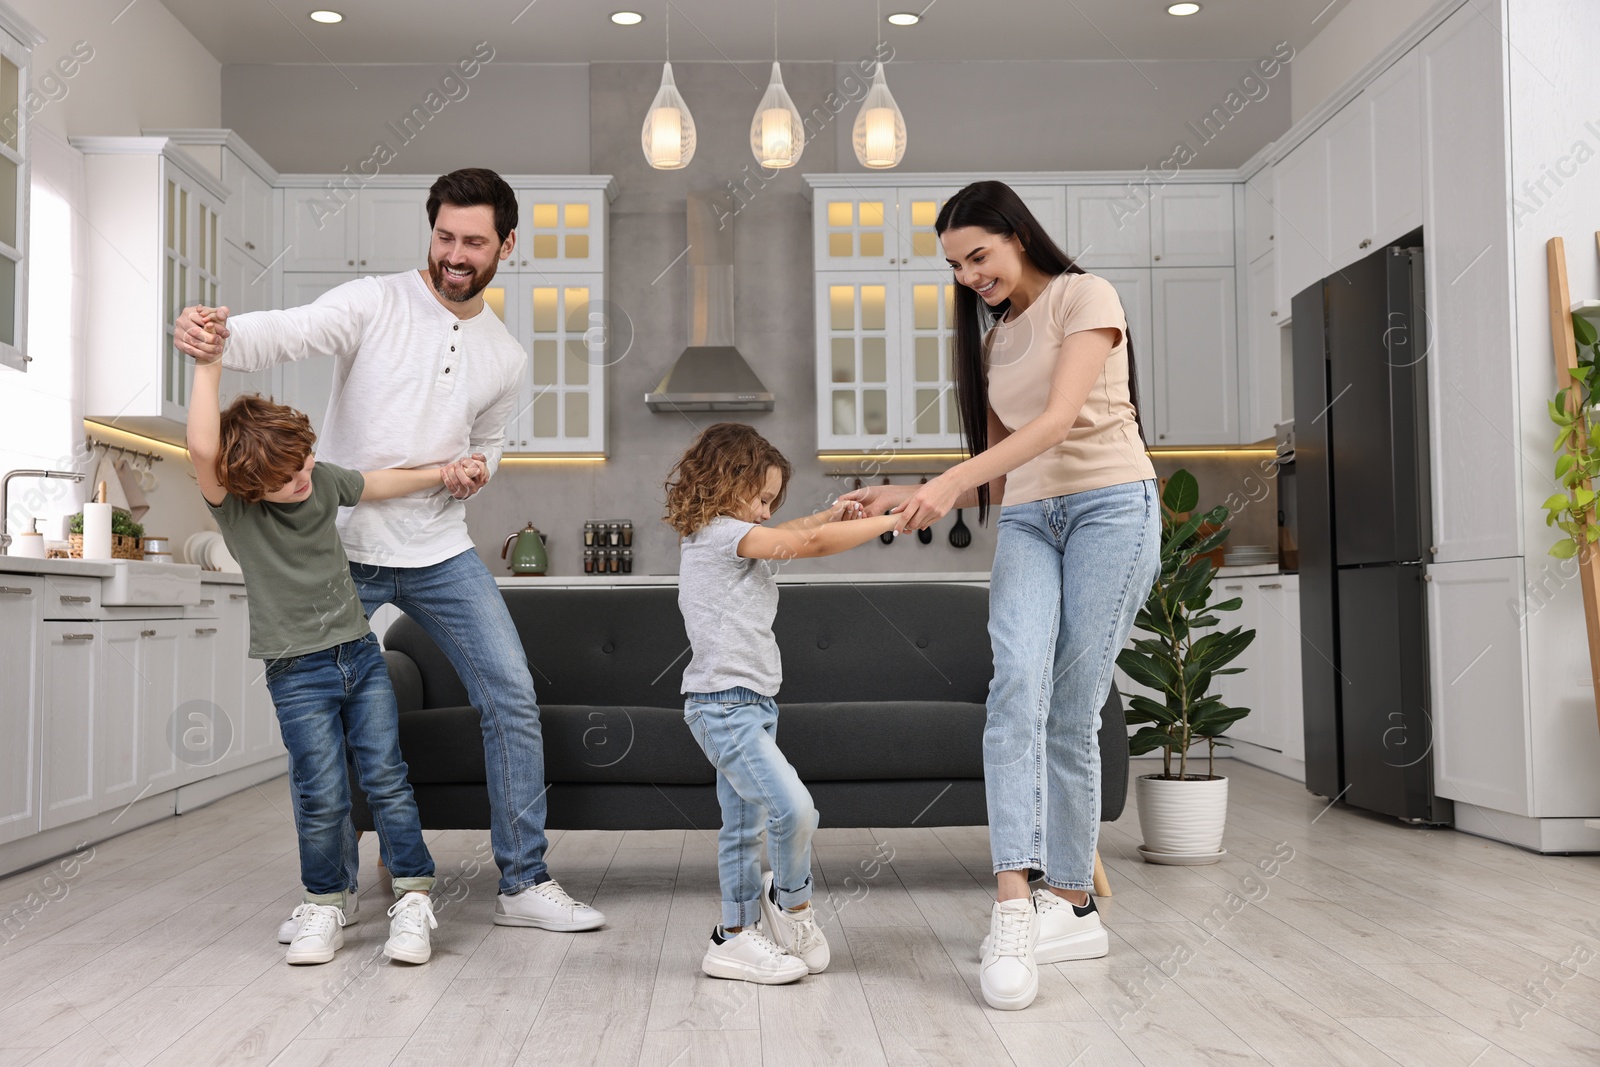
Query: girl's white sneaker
<point x="320" y="935"/>
<point x="750" y="956"/>
<point x="410" y="919"/>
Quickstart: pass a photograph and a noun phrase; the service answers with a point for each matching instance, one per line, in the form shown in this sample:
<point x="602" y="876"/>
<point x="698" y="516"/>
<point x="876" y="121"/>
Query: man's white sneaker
<point x="320" y="935"/>
<point x="1066" y="931"/>
<point x="750" y="956"/>
<point x="796" y="932"/>
<point x="546" y="906"/>
<point x="410" y="919"/>
<point x="1008" y="974"/>
<point x="291" y="926"/>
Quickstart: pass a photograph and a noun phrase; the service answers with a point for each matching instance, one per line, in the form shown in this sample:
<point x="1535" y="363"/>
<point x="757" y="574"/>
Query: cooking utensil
<point x="530" y="557"/>
<point x="925" y="535"/>
<point x="887" y="537"/>
<point x="960" y="536"/>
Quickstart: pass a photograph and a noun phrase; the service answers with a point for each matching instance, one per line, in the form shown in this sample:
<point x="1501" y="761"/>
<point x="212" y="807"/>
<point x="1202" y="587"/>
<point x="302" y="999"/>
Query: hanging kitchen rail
<point x="91" y="442"/>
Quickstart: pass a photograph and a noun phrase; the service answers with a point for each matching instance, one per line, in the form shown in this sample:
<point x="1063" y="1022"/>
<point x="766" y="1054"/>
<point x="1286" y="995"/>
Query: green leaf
<point x="1146" y="670"/>
<point x="1564" y="549"/>
<point x="1557" y="502"/>
<point x="1582" y="497"/>
<point x="1143" y="709"/>
<point x="1583" y="330"/>
<point x="1558" y="415"/>
<point x="1229" y="605"/>
<point x="1148" y="739"/>
<point x="1564" y="463"/>
<point x="1182" y="492"/>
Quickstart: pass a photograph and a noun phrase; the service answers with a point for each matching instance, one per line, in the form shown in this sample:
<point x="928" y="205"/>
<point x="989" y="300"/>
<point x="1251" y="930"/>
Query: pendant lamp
<point x="880" y="130"/>
<point x="777" y="136"/>
<point x="668" y="135"/>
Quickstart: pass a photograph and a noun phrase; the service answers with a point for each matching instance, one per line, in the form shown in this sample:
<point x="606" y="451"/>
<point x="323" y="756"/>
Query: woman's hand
<point x="880" y="499"/>
<point x="928" y="503"/>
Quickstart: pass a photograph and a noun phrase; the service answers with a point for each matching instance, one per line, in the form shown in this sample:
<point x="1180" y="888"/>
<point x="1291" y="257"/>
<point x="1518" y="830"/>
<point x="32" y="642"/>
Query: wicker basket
<point x="122" y="546"/>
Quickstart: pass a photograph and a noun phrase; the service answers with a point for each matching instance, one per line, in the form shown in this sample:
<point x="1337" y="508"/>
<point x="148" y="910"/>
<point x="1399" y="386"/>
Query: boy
<point x="276" y="507"/>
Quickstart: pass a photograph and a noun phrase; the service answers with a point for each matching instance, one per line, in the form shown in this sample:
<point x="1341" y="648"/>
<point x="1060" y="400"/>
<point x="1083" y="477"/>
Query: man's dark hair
<point x="471" y="186"/>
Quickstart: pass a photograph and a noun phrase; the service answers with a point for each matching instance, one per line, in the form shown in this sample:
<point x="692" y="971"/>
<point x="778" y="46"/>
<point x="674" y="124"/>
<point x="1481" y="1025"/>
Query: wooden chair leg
<point x="1102" y="887"/>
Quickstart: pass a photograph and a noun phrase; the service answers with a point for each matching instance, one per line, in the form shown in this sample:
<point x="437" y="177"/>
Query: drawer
<point x="71" y="599"/>
<point x="21" y="588"/>
<point x="211" y="600"/>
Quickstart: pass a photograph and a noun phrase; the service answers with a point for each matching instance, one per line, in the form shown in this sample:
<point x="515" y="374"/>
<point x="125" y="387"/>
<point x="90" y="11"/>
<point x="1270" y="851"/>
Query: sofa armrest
<point x="406" y="680"/>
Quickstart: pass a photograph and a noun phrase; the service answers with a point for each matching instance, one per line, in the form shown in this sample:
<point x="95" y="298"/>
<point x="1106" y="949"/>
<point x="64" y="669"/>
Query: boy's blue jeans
<point x="327" y="701"/>
<point x="738" y="731"/>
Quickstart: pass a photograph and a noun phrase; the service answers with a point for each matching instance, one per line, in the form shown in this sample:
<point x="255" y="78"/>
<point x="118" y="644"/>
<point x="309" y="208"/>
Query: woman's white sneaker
<point x="548" y="907"/>
<point x="1066" y="931"/>
<point x="410" y="919"/>
<point x="750" y="956"/>
<point x="796" y="932"/>
<point x="291" y="926"/>
<point x="320" y="935"/>
<point x="1009" y="975"/>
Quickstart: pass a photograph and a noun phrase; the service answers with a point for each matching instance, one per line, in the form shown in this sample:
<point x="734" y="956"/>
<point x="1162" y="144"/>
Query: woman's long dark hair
<point x="994" y="207"/>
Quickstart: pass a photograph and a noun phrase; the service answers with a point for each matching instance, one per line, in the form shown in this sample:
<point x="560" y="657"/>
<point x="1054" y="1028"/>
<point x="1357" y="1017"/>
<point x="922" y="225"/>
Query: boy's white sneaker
<point x="320" y="935"/>
<point x="1009" y="974"/>
<point x="291" y="926"/>
<point x="1066" y="931"/>
<point x="546" y="906"/>
<point x="796" y="932"/>
<point x="750" y="956"/>
<point x="410" y="919"/>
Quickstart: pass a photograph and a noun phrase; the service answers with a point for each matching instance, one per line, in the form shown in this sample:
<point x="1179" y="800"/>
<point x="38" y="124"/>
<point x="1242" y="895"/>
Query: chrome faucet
<point x="5" y="486"/>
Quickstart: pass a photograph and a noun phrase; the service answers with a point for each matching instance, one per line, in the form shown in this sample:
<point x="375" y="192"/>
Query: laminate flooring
<point x="1325" y="936"/>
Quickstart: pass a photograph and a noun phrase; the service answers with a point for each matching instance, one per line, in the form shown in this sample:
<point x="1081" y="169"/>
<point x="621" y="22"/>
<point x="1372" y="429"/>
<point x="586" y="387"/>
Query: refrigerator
<point x="1364" y="524"/>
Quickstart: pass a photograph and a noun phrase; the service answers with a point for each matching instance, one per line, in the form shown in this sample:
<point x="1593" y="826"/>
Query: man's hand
<point x="201" y="332"/>
<point x="466" y="476"/>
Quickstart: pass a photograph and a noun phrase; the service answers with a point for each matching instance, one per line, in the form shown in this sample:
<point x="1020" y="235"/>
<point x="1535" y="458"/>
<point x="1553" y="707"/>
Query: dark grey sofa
<point x="882" y="710"/>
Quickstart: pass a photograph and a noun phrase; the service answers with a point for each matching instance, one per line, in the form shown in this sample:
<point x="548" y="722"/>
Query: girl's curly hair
<point x="725" y="466"/>
<point x="262" y="446"/>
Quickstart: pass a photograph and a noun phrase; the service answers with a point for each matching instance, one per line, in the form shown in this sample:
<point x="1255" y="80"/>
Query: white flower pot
<point x="1182" y="818"/>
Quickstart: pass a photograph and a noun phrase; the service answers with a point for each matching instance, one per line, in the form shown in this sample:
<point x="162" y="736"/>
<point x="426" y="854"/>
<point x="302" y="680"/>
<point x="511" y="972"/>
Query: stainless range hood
<point x="710" y="375"/>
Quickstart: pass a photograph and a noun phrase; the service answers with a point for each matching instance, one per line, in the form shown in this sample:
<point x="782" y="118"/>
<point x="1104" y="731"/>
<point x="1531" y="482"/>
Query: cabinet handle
<point x="363" y="263"/>
<point x="75" y="599"/>
<point x="250" y="246"/>
<point x="1274" y="315"/>
<point x="77" y="637"/>
<point x="1270" y="585"/>
<point x="15" y="590"/>
<point x="207" y="603"/>
<point x="237" y="596"/>
<point x="524" y="263"/>
<point x="147" y="633"/>
<point x="349" y="262"/>
<point x="203" y="630"/>
<point x="1365" y="241"/>
<point x="1158" y="259"/>
<point x="1233" y="587"/>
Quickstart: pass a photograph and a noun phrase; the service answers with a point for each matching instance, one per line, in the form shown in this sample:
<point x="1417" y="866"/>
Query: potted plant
<point x="126" y="535"/>
<point x="1181" y="814"/>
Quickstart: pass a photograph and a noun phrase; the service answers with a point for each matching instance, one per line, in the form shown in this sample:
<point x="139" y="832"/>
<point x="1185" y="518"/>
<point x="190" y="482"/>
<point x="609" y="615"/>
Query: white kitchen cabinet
<point x="1133" y="288"/>
<point x="858" y="369"/>
<point x="876" y="227"/>
<point x="1350" y="186"/>
<point x="159" y="674"/>
<point x="1480" y="709"/>
<point x="1197" y="370"/>
<point x="241" y="682"/>
<point x="246" y="286"/>
<point x="1249" y="688"/>
<point x="16" y="160"/>
<point x="1260" y="219"/>
<point x="20" y="689"/>
<point x="306" y="385"/>
<point x="319" y="230"/>
<point x="1300" y="204"/>
<point x="68" y="775"/>
<point x="1279" y="598"/>
<point x="1396" y="101"/>
<point x="157" y="217"/>
<point x="1192" y="226"/>
<point x="199" y="728"/>
<point x="392" y="231"/>
<point x="929" y="418"/>
<point x="559" y="230"/>
<point x="250" y="216"/>
<point x="560" y="321"/>
<point x="1107" y="228"/>
<point x="118" y="731"/>
<point x="1261" y="355"/>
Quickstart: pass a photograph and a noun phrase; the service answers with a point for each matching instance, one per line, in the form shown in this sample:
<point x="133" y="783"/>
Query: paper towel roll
<point x="96" y="531"/>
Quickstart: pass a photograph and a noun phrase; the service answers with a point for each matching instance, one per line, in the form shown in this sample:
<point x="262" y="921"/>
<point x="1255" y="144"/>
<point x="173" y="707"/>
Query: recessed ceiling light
<point x="904" y="18"/>
<point x="626" y="18"/>
<point x="329" y="17"/>
<point x="1182" y="9"/>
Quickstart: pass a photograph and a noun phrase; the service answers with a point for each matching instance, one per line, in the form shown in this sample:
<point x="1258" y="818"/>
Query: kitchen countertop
<point x="610" y="581"/>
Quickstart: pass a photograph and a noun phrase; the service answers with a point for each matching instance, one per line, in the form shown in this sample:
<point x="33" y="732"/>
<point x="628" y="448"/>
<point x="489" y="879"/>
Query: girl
<point x="1049" y="410"/>
<point x="719" y="494"/>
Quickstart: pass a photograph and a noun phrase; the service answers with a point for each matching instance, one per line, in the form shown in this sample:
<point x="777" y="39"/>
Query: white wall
<point x="1350" y="40"/>
<point x="146" y="70"/>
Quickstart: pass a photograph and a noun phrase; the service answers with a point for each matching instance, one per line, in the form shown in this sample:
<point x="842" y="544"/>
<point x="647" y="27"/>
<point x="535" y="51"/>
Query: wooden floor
<point x="1323" y="938"/>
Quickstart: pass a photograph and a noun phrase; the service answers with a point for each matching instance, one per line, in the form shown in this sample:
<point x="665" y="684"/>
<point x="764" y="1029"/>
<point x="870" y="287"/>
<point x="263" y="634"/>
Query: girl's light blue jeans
<point x="738" y="731"/>
<point x="1070" y="575"/>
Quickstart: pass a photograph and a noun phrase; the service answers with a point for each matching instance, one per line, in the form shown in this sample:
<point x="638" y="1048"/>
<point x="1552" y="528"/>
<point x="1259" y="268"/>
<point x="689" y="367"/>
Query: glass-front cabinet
<point x="14" y="159"/>
<point x="560" y="321"/>
<point x="892" y="226"/>
<point x="560" y="230"/>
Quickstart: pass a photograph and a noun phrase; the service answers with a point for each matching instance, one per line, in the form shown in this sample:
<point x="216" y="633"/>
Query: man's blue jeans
<point x="457" y="603"/>
<point x="326" y="701"/>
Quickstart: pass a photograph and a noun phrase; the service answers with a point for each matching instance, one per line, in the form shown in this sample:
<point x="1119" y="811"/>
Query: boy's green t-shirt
<point x="302" y="598"/>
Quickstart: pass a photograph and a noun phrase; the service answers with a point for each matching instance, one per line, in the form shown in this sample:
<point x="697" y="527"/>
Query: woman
<point x="1049" y="411"/>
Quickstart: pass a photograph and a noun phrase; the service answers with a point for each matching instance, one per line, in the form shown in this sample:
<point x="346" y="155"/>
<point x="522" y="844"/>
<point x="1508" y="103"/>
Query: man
<point x="427" y="375"/>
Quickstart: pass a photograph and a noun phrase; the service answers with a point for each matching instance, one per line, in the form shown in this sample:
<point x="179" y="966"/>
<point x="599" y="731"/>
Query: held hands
<point x="927" y="504"/>
<point x="201" y="333"/>
<point x="844" y="510"/>
<point x="466" y="476"/>
<point x="878" y="499"/>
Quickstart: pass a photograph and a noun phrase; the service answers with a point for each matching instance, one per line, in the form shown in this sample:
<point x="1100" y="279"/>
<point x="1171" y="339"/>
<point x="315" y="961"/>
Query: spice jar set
<point x="608" y="546"/>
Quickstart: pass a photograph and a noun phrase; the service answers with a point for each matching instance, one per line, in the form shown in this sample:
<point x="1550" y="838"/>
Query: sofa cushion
<point x="881" y="740"/>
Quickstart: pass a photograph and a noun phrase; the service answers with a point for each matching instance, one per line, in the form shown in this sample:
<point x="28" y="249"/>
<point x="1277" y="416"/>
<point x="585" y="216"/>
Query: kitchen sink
<point x="136" y="583"/>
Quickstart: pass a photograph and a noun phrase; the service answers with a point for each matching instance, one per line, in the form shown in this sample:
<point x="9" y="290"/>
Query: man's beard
<point x="459" y="292"/>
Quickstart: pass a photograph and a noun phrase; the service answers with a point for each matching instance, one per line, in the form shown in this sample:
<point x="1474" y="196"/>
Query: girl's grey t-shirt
<point x="728" y="604"/>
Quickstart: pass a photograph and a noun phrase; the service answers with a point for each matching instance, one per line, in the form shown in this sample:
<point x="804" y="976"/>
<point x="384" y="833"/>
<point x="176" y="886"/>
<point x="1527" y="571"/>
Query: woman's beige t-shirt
<point x="1103" y="447"/>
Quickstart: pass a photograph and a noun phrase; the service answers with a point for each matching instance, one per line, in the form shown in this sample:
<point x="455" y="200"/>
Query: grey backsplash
<point x="774" y="329"/>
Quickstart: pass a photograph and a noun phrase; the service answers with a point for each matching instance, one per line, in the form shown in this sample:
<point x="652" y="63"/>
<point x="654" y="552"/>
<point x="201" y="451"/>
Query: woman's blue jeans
<point x="756" y="786"/>
<point x="1070" y="575"/>
<point x="326" y="701"/>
